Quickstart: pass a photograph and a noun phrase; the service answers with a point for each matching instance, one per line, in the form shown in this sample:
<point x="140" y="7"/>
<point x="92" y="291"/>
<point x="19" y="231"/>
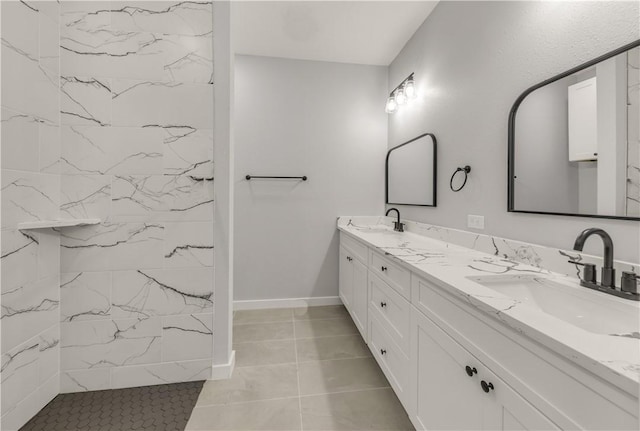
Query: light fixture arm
<point x="401" y="84"/>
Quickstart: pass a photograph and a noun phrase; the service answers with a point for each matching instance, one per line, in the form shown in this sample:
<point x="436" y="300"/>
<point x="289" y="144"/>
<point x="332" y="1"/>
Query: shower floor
<point x="161" y="407"/>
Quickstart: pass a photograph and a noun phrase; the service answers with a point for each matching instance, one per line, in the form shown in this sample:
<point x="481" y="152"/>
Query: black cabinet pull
<point x="486" y="386"/>
<point x="383" y="351"/>
<point x="383" y="268"/>
<point x="383" y="304"/>
<point x="470" y="371"/>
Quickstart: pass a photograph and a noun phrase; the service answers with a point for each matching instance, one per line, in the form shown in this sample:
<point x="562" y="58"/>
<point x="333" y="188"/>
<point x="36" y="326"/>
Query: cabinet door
<point x="504" y="409"/>
<point x="360" y="297"/>
<point x="446" y="398"/>
<point x="345" y="282"/>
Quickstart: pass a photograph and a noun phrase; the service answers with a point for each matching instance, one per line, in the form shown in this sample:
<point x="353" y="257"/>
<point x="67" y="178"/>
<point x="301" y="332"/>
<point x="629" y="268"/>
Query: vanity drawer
<point x="396" y="276"/>
<point x="570" y="396"/>
<point x="358" y="249"/>
<point x="394" y="363"/>
<point x="392" y="310"/>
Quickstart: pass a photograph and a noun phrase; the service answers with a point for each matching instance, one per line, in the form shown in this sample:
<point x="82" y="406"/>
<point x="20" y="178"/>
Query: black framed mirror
<point x="410" y="172"/>
<point x="574" y="141"/>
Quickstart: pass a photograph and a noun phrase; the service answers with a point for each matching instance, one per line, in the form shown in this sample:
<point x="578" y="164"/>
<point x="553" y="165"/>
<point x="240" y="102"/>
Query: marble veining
<point x="455" y="257"/>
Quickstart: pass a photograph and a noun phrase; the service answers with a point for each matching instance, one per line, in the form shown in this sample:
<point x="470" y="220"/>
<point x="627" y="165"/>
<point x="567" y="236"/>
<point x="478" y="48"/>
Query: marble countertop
<point x="614" y="357"/>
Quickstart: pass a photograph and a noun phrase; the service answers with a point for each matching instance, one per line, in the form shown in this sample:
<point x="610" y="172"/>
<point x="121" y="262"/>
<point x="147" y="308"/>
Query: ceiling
<point x="361" y="32"/>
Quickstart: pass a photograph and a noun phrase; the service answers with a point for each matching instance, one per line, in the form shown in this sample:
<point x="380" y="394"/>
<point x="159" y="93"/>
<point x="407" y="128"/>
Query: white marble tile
<point x="48" y="8"/>
<point x="85" y="296"/>
<point x="162" y="292"/>
<point x="19" y="374"/>
<point x="26" y="86"/>
<point x="110" y="343"/>
<point x="95" y="379"/>
<point x="111" y="246"/>
<point x="156" y="374"/>
<point x="138" y="103"/>
<point x="85" y="196"/>
<point x="20" y="27"/>
<point x="48" y="390"/>
<point x="48" y="253"/>
<point x="187" y="337"/>
<point x="187" y="18"/>
<point x="190" y="106"/>
<point x="28" y="196"/>
<point x="20" y="134"/>
<point x="19" y="258"/>
<point x="188" y="151"/>
<point x="49" y="354"/>
<point x="85" y="101"/>
<point x="49" y="141"/>
<point x="188" y="58"/>
<point x="28" y="310"/>
<point x="49" y="42"/>
<point x="188" y="244"/>
<point x="111" y="150"/>
<point x="164" y="198"/>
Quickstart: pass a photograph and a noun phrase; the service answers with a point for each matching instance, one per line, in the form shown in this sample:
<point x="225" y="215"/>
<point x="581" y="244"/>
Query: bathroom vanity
<point x="477" y="340"/>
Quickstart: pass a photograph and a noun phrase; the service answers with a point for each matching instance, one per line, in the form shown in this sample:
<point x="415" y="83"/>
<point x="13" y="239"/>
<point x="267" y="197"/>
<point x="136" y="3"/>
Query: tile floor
<point x="299" y="369"/>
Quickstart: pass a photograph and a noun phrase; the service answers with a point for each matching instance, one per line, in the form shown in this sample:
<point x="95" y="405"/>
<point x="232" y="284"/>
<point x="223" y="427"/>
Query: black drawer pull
<point x="486" y="386"/>
<point x="383" y="304"/>
<point x="383" y="351"/>
<point x="383" y="268"/>
<point x="470" y="371"/>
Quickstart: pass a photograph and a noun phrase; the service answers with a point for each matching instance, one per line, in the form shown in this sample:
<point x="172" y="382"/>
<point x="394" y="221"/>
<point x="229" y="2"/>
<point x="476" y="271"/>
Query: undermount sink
<point x="590" y="310"/>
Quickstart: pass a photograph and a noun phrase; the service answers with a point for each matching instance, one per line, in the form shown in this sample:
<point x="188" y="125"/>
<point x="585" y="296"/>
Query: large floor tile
<point x="262" y="332"/>
<point x="282" y="414"/>
<point x="265" y="353"/>
<point x="322" y="312"/>
<point x="377" y="409"/>
<point x="325" y="327"/>
<point x="242" y="317"/>
<point x="341" y="347"/>
<point x="342" y="375"/>
<point x="252" y="384"/>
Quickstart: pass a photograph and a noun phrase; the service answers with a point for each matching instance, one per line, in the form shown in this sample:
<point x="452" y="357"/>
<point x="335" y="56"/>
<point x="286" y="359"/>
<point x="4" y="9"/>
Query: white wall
<point x="471" y="61"/>
<point x="292" y="117"/>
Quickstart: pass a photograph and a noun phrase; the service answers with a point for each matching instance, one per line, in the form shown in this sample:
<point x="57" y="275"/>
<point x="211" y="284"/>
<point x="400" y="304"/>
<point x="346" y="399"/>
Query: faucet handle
<point x="589" y="271"/>
<point x="629" y="282"/>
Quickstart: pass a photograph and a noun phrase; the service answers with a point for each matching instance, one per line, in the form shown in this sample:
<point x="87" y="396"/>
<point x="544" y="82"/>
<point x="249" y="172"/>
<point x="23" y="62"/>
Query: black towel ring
<point x="466" y="171"/>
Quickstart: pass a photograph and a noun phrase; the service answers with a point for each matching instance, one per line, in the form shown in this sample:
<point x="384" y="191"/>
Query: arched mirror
<point x="411" y="172"/>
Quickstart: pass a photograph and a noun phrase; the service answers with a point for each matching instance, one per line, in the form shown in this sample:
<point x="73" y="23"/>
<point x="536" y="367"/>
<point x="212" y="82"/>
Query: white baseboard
<point x="286" y="303"/>
<point x="224" y="371"/>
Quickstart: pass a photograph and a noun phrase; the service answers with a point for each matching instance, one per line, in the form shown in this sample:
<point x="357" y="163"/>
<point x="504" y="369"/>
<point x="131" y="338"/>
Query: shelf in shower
<point x="43" y="224"/>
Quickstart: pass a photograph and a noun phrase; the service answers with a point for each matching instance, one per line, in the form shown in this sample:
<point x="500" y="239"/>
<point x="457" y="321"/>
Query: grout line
<point x="200" y="406"/>
<point x="335" y="359"/>
<point x="346" y="392"/>
<point x="295" y="345"/>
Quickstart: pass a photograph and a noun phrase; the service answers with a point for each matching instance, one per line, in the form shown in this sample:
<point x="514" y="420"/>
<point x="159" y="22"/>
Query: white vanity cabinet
<point x="454" y="390"/>
<point x="424" y="336"/>
<point x="352" y="281"/>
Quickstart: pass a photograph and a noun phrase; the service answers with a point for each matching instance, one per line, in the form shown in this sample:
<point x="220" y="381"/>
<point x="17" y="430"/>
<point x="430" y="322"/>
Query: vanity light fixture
<point x="401" y="95"/>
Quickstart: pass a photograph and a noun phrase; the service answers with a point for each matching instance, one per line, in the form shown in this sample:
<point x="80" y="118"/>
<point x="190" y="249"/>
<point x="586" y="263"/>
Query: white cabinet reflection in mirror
<point x="411" y="172"/>
<point x="575" y="141"/>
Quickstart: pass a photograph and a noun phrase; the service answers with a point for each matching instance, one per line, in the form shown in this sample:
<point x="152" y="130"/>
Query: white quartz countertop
<point x="613" y="357"/>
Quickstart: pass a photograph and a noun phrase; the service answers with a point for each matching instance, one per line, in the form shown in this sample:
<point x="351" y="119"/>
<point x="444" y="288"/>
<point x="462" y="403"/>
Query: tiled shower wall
<point x="106" y="113"/>
<point x="137" y="147"/>
<point x="30" y="191"/>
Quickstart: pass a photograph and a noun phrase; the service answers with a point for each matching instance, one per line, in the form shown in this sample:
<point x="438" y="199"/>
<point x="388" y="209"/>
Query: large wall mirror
<point x="411" y="172"/>
<point x="574" y="141"/>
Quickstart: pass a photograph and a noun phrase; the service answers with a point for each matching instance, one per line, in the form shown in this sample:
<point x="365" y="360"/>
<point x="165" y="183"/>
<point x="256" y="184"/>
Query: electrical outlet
<point x="475" y="221"/>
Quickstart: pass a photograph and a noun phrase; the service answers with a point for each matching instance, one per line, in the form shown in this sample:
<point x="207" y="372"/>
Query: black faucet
<point x="607" y="283"/>
<point x="608" y="273"/>
<point x="397" y="226"/>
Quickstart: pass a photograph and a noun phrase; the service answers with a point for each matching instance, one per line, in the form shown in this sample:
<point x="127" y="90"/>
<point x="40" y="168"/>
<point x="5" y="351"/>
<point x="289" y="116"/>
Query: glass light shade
<point x="401" y="99"/>
<point x="392" y="106"/>
<point x="410" y="89"/>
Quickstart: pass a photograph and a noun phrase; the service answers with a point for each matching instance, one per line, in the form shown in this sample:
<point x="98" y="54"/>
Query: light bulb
<point x="410" y="89"/>
<point x="392" y="106"/>
<point x="400" y="97"/>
